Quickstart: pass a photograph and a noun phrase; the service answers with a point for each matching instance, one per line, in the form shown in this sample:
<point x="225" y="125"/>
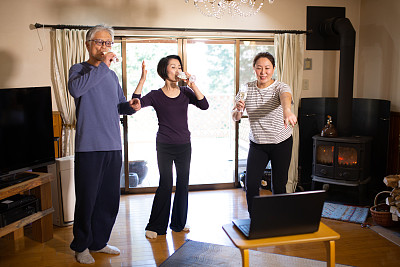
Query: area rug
<point x="344" y="213"/>
<point x="392" y="234"/>
<point x="193" y="253"/>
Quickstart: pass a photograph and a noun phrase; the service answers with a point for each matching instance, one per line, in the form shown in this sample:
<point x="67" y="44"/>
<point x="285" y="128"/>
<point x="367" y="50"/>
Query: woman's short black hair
<point x="163" y="64"/>
<point x="264" y="54"/>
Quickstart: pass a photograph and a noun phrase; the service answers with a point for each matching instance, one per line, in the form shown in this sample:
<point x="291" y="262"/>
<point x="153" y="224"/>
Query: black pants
<point x="97" y="191"/>
<point x="167" y="154"/>
<point x="258" y="158"/>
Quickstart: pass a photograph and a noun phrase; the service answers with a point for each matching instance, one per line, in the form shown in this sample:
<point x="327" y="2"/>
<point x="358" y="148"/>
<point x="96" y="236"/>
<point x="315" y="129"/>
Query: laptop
<point x="283" y="214"/>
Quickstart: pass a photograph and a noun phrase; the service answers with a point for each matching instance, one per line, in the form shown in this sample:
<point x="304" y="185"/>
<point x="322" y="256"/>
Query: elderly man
<point x="99" y="101"/>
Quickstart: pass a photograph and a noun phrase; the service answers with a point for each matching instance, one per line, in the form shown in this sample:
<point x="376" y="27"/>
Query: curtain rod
<point x="82" y="27"/>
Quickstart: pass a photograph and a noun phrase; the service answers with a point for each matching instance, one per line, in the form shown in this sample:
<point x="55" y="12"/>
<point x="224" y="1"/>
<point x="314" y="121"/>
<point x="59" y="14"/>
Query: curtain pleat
<point x="67" y="49"/>
<point x="289" y="55"/>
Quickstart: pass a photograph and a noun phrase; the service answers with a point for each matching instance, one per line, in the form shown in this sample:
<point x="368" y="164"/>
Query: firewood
<point x="395" y="211"/>
<point x="392" y="181"/>
<point x="389" y="200"/>
<point x="395" y="192"/>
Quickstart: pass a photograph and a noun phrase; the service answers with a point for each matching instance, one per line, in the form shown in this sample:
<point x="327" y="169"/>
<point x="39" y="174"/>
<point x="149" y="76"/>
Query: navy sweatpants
<point x="167" y="154"/>
<point x="97" y="191"/>
<point x="258" y="158"/>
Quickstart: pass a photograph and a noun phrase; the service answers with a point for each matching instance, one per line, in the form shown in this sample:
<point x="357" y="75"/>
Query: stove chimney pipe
<point x="347" y="34"/>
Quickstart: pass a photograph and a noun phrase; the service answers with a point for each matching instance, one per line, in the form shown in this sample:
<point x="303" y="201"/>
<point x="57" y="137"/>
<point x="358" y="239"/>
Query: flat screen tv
<point x="26" y="130"/>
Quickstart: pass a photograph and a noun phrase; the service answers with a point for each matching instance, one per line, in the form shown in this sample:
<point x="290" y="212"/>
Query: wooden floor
<point x="208" y="211"/>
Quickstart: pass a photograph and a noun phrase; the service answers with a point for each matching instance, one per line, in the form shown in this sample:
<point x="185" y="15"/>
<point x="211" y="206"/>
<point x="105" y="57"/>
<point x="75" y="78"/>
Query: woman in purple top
<point x="172" y="143"/>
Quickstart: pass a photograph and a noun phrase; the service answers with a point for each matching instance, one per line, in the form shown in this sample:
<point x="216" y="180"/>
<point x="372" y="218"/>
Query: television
<point x="26" y="131"/>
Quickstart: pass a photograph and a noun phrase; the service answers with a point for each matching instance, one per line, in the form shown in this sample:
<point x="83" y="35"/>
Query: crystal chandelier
<point x="217" y="8"/>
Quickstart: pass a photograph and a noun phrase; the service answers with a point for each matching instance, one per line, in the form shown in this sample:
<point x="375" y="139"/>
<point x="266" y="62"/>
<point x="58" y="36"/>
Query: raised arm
<point x="83" y="78"/>
<point x="139" y="87"/>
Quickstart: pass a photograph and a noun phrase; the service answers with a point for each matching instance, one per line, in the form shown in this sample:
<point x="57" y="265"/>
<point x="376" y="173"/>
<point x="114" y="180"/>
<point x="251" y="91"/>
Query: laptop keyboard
<point x="245" y="228"/>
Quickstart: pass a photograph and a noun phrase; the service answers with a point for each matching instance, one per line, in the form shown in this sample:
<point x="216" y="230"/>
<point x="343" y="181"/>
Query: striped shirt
<point x="265" y="113"/>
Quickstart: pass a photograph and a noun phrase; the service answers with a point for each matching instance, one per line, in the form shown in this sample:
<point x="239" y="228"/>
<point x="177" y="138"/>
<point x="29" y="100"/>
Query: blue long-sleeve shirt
<point x="99" y="101"/>
<point x="172" y="113"/>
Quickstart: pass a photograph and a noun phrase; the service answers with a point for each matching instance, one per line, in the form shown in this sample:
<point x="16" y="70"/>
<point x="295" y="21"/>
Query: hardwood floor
<point x="208" y="211"/>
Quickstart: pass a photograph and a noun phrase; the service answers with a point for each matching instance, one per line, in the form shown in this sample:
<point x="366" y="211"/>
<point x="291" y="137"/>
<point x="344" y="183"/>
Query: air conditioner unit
<point x="63" y="191"/>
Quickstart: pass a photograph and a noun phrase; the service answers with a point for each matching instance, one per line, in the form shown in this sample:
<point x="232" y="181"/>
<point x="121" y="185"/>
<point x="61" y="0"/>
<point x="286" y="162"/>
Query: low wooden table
<point x="324" y="234"/>
<point x="42" y="222"/>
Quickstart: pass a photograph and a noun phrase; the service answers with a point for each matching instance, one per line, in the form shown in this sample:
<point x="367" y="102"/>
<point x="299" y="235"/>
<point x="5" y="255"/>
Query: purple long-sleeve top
<point x="99" y="101"/>
<point x="172" y="113"/>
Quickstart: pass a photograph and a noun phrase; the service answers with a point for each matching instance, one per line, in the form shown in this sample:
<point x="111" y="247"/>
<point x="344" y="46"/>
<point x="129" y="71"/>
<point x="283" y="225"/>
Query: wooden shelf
<point x="42" y="223"/>
<point x="43" y="178"/>
<point x="24" y="221"/>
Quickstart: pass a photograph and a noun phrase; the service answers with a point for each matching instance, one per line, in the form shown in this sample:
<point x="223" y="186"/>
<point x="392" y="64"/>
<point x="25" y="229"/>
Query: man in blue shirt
<point x="99" y="101"/>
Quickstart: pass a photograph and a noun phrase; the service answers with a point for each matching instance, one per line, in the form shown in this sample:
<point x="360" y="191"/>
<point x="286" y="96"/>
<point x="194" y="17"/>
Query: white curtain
<point x="289" y="57"/>
<point x="67" y="49"/>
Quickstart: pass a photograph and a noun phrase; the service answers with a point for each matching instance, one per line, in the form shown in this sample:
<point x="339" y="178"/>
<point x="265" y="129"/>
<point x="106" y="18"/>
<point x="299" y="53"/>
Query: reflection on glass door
<point x="212" y="131"/>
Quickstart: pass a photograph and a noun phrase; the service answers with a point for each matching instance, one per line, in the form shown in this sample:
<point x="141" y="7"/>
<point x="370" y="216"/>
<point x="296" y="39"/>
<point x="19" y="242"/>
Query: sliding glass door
<point x="219" y="66"/>
<point x="142" y="126"/>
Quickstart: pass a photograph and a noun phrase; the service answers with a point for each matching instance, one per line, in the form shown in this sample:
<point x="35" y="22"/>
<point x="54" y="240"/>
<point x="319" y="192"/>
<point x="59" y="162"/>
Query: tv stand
<point x="26" y="175"/>
<point x="42" y="223"/>
<point x="16" y="179"/>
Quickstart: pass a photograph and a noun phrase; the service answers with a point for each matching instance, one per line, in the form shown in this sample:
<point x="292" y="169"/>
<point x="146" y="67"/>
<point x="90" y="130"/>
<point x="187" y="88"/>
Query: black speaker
<point x="316" y="18"/>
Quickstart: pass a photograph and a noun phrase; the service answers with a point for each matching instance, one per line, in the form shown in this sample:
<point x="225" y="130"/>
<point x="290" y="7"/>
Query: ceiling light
<point x="217" y="8"/>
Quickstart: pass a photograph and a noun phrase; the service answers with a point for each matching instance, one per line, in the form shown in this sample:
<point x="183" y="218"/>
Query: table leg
<point x="330" y="253"/>
<point x="245" y="257"/>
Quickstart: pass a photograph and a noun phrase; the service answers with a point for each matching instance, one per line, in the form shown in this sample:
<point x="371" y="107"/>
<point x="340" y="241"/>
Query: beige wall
<point x="379" y="53"/>
<point x="26" y="63"/>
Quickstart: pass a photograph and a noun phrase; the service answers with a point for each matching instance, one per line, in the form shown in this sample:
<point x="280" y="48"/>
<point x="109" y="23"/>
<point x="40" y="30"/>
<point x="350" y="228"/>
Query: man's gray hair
<point x="98" y="28"/>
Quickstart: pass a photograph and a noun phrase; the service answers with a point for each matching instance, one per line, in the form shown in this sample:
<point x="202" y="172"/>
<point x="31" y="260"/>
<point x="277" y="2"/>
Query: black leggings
<point x="258" y="158"/>
<point x="167" y="154"/>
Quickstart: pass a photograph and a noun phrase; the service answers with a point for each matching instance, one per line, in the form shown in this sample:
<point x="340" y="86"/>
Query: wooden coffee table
<point x="324" y="234"/>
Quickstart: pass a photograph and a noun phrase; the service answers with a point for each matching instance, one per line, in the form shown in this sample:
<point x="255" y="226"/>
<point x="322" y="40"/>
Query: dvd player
<point x="17" y="207"/>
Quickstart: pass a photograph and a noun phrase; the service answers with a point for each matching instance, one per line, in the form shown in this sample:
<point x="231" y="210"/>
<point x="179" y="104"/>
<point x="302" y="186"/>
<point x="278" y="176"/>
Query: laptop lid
<point x="286" y="214"/>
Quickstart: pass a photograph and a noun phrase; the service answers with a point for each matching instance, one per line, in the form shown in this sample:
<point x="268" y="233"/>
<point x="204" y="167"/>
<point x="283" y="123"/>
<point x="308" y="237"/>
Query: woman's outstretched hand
<point x="289" y="118"/>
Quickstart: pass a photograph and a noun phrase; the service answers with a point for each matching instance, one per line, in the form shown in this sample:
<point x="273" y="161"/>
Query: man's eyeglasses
<point x="100" y="42"/>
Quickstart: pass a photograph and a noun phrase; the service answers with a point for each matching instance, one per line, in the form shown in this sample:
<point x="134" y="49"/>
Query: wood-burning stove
<point x="344" y="161"/>
<point x="341" y="160"/>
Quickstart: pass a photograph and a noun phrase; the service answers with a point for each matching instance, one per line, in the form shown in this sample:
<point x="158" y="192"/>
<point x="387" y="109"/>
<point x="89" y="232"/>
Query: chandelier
<point x="217" y="8"/>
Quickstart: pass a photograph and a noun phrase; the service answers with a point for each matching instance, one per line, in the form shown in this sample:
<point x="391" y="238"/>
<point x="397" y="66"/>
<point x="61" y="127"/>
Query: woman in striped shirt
<point x="268" y="105"/>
